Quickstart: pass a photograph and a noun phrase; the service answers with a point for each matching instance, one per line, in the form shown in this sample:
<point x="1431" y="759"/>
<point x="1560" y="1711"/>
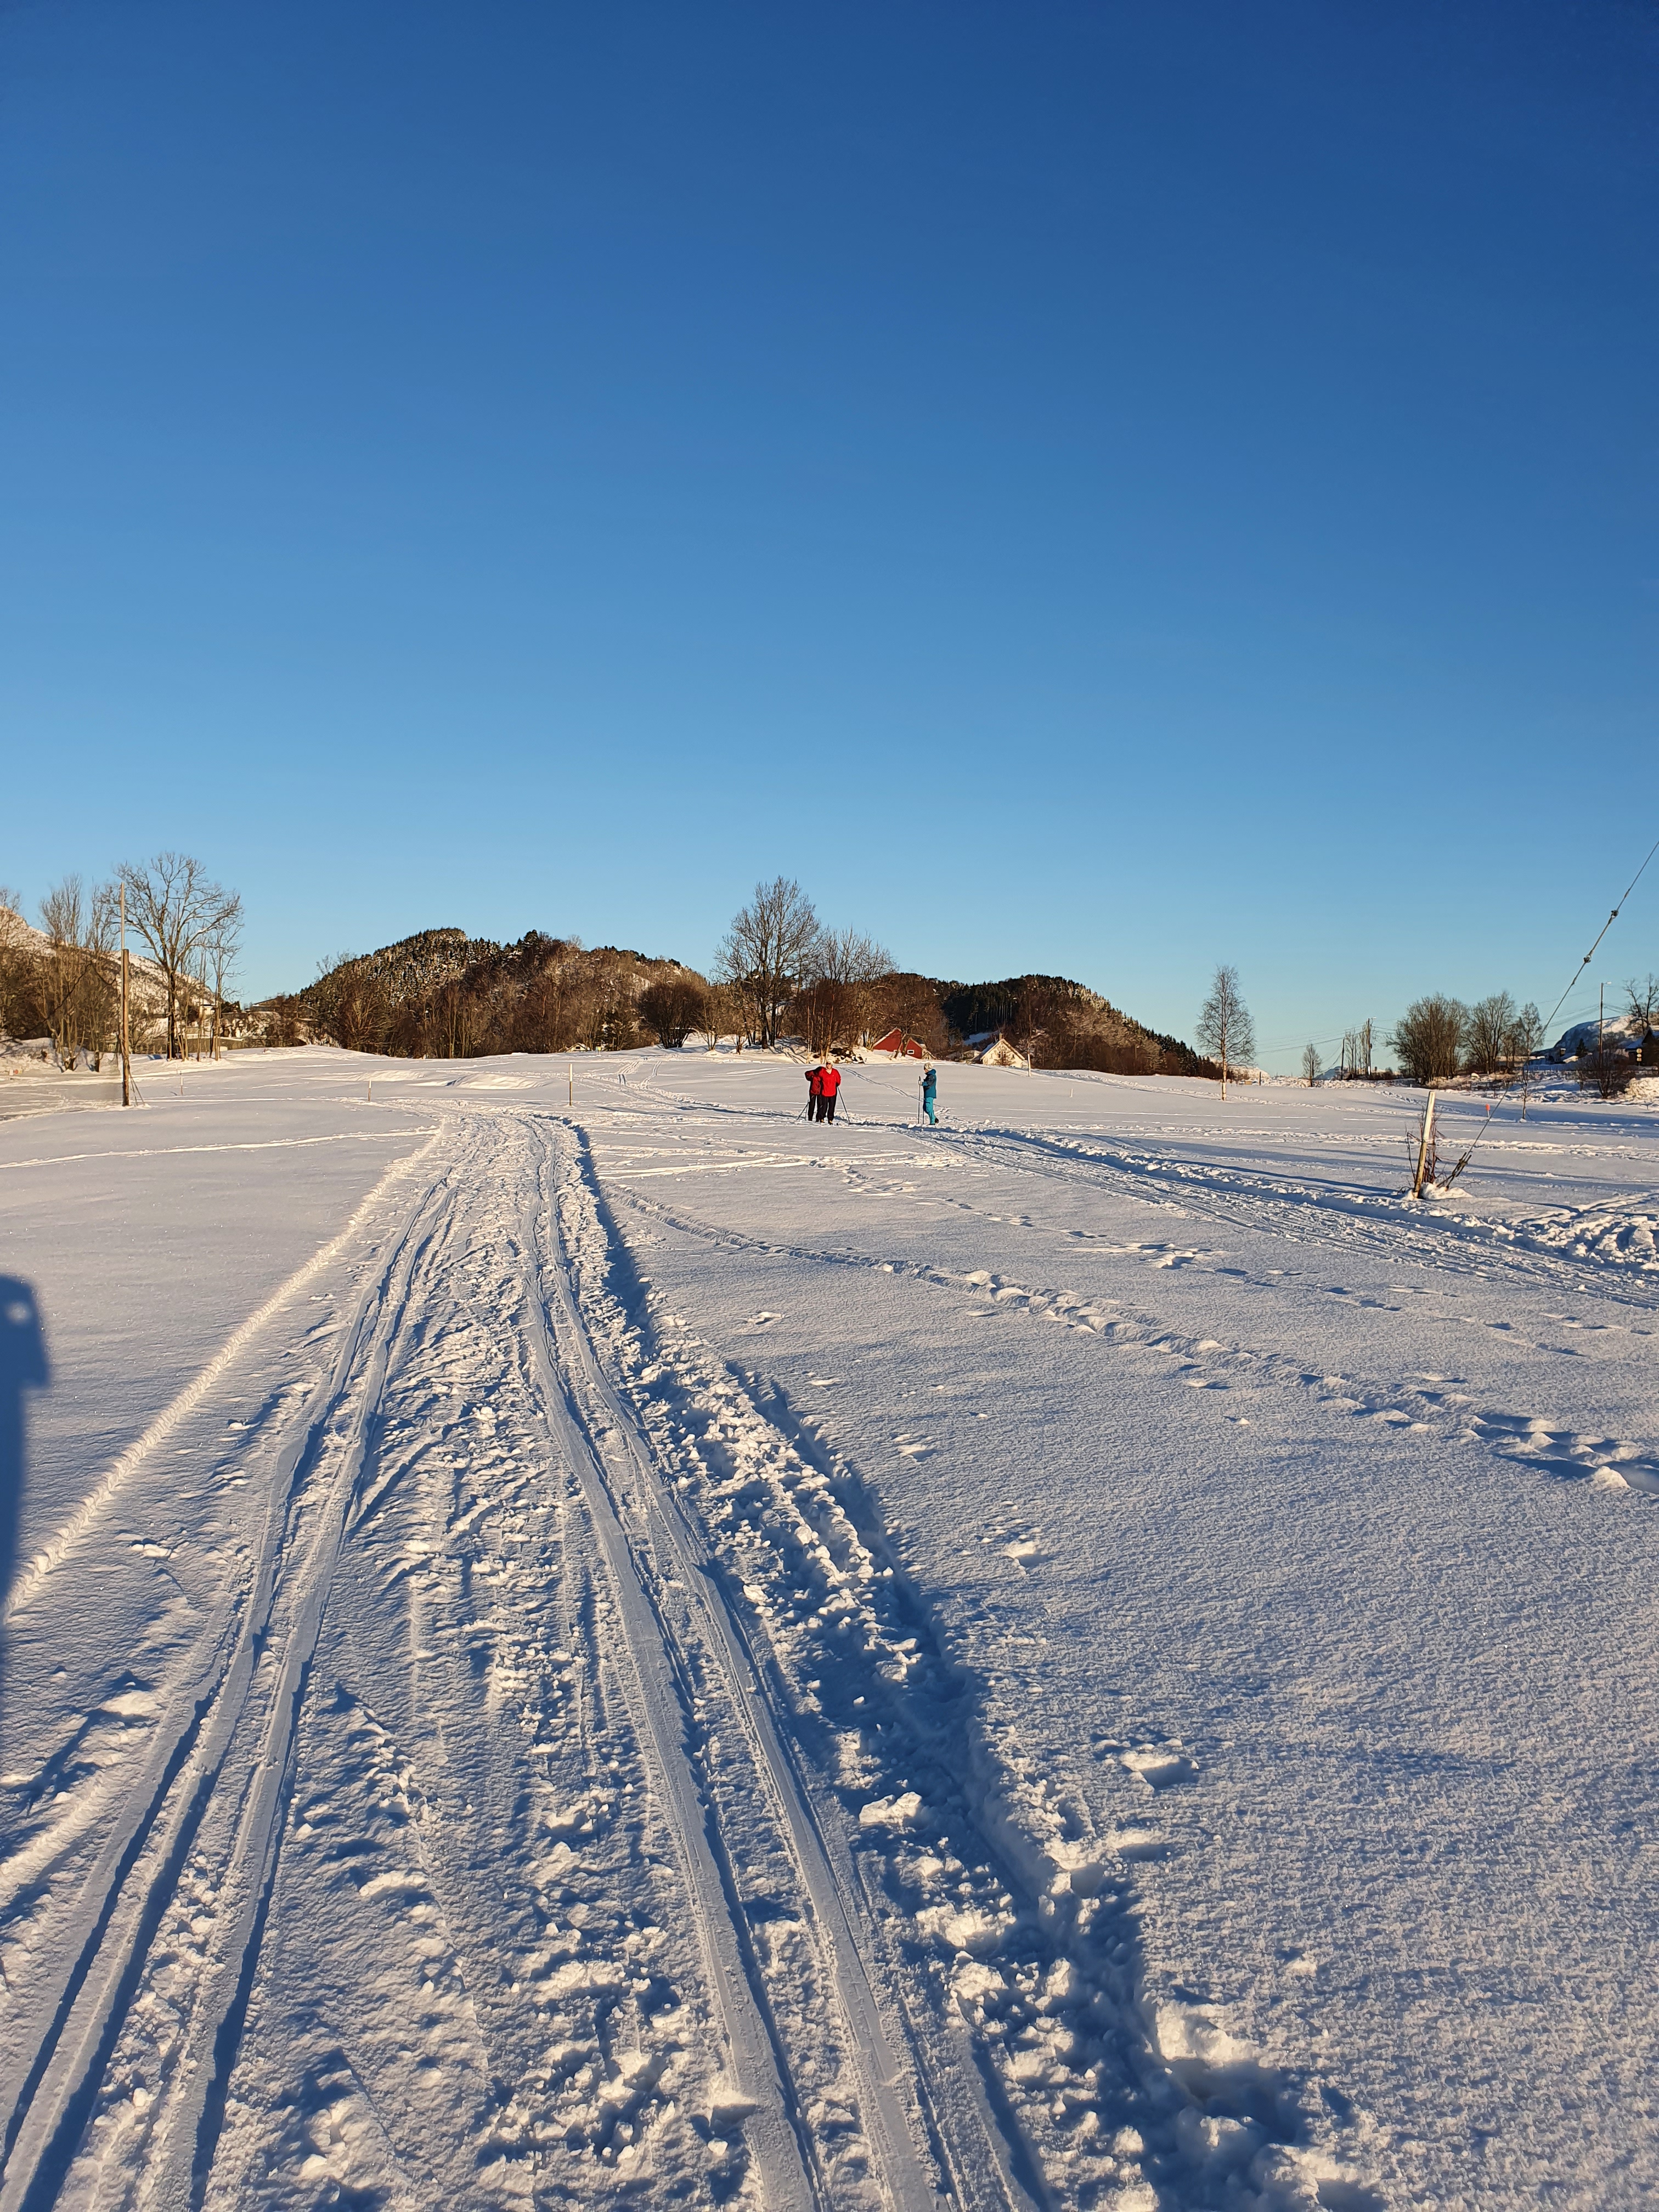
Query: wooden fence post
<point x="1423" y="1147"/>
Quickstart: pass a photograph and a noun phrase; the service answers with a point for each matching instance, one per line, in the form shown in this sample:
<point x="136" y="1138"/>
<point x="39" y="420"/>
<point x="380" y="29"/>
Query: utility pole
<point x="126" y="1046"/>
<point x="1601" y="1018"/>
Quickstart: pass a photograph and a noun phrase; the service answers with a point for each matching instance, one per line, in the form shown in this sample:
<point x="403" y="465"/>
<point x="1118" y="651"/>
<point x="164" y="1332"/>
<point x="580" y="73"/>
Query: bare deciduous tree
<point x="76" y="971"/>
<point x="1643" y="999"/>
<point x="673" y="1008"/>
<point x="724" y="1015"/>
<point x="1429" y="1038"/>
<point x="1606" y="1068"/>
<point x="58" y="971"/>
<point x="844" y="967"/>
<point x="608" y="1015"/>
<point x="767" y="952"/>
<point x="26" y="974"/>
<point x="849" y="958"/>
<point x="350" y="1004"/>
<point x="175" y="907"/>
<point x="219" y="950"/>
<point x="17" y="964"/>
<point x="1526" y="1036"/>
<point x="1487" y="1033"/>
<point x="1311" y="1064"/>
<point x="1225" y="1028"/>
<point x="909" y="1003"/>
<point x="1357" y="1047"/>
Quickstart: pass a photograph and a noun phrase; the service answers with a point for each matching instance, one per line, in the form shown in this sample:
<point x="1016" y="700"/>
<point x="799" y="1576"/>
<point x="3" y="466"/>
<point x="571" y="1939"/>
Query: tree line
<point x="63" y="980"/>
<point x="1439" y="1039"/>
<point x="782" y="972"/>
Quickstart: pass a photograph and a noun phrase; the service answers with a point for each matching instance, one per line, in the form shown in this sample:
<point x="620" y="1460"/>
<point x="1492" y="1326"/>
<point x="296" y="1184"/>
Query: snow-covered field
<point x="653" y="1652"/>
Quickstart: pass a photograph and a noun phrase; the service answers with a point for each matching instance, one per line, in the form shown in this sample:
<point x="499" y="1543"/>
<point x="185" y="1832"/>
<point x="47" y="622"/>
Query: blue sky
<point x="1098" y="488"/>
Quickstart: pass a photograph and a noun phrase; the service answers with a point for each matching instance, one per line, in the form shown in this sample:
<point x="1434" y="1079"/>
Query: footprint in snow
<point x="1139" y="1844"/>
<point x="1161" y="1765"/>
<point x="1018" y="1544"/>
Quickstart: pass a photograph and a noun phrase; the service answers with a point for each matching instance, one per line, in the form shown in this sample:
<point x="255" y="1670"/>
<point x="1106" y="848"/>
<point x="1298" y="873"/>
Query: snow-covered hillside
<point x="1584" y="1036"/>
<point x="630" y="1649"/>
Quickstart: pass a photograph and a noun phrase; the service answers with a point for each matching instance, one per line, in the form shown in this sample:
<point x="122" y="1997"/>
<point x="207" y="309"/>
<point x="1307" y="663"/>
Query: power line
<point x="1549" y="1019"/>
<point x="1604" y="927"/>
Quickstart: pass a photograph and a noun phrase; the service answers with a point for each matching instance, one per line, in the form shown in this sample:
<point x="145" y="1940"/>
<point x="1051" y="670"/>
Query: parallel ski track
<point x="978" y="2134"/>
<point x="977" y="2139"/>
<point x="220" y="1731"/>
<point x="229" y="1739"/>
<point x="584" y="1407"/>
<point x="1336" y="1218"/>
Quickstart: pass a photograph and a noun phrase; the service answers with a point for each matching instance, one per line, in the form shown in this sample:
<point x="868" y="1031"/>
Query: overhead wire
<point x="1549" y="1019"/>
<point x="1601" y="933"/>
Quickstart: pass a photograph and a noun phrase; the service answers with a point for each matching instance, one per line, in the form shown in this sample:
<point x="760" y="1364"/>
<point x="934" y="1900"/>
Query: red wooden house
<point x="895" y="1040"/>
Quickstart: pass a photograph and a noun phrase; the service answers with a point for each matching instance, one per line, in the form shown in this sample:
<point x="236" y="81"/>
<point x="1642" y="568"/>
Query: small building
<point x="998" y="1053"/>
<point x="901" y="1044"/>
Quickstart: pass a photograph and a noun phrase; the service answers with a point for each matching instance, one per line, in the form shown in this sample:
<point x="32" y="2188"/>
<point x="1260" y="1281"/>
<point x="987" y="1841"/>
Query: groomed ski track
<point x="486" y="1629"/>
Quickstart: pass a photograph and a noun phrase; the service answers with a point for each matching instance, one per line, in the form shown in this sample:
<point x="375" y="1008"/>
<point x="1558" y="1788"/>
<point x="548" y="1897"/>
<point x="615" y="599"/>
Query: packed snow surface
<point x="640" y="1651"/>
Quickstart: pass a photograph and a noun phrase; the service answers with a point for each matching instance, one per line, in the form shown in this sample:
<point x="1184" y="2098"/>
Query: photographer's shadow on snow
<point x="23" y="1366"/>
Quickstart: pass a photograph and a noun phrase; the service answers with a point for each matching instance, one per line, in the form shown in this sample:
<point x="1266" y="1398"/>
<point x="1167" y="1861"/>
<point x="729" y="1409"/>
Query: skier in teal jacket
<point x="929" y="1096"/>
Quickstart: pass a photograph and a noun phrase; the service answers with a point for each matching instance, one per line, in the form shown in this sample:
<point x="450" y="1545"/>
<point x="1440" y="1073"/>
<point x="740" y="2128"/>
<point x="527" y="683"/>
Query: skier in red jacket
<point x="829" y="1083"/>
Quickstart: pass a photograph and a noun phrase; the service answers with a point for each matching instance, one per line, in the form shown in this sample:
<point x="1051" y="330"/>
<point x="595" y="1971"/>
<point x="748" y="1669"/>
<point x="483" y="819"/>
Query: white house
<point x="992" y="1050"/>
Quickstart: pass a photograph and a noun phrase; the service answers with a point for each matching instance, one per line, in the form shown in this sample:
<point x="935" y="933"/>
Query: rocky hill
<point x="1058" y="1023"/>
<point x="443" y="994"/>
